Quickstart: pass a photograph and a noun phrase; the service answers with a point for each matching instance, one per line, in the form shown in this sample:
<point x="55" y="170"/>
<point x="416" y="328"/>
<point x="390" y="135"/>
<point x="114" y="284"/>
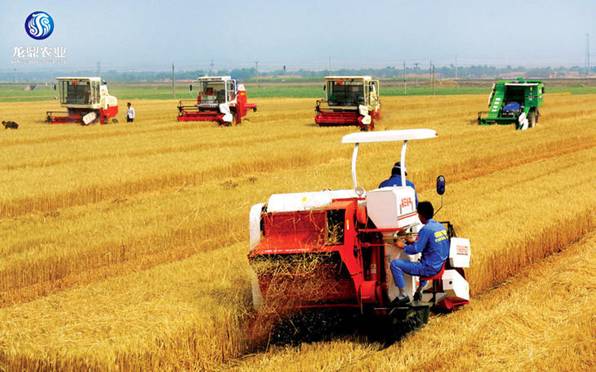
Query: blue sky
<point x="150" y="35"/>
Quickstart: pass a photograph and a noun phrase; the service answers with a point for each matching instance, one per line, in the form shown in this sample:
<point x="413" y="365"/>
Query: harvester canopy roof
<point x="389" y="136"/>
<point x="90" y="78"/>
<point x="214" y="78"/>
<point x="521" y="84"/>
<point x="363" y="78"/>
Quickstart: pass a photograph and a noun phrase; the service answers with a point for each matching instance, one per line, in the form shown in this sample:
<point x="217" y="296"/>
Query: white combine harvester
<point x="351" y="232"/>
<point x="87" y="101"/>
<point x="220" y="99"/>
<point x="349" y="100"/>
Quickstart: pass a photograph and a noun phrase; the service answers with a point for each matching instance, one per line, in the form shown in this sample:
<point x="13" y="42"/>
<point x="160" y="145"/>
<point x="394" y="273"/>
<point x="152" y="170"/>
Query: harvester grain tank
<point x="349" y="100"/>
<point x="220" y="99"/>
<point x="331" y="249"/>
<point x="514" y="101"/>
<point x="86" y="99"/>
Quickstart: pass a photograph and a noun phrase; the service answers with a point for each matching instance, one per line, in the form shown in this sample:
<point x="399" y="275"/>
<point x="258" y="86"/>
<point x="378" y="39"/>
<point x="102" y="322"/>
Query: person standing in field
<point x="130" y="113"/>
<point x="433" y="243"/>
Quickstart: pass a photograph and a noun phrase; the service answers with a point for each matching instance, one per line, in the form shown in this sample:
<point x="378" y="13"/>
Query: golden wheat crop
<point x="123" y="246"/>
<point x="540" y="320"/>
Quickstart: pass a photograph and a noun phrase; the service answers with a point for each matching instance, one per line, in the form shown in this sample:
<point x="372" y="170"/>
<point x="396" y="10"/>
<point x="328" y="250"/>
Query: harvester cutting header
<point x="349" y="100"/>
<point x="514" y="101"/>
<point x="331" y="249"/>
<point x="86" y="99"/>
<point x="220" y="99"/>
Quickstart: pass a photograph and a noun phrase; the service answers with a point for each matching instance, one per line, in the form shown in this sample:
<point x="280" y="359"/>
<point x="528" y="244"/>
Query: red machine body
<point x="347" y="268"/>
<point x="339" y="118"/>
<point x="220" y="100"/>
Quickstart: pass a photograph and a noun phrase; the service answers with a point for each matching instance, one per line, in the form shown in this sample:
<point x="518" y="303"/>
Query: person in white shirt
<point x="130" y="113"/>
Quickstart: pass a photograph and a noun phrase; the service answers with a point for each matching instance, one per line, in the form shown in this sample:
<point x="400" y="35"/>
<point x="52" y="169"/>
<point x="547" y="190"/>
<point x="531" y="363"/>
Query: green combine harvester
<point x="514" y="101"/>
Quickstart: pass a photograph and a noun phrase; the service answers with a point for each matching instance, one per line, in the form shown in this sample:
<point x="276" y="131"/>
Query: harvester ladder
<point x="496" y="103"/>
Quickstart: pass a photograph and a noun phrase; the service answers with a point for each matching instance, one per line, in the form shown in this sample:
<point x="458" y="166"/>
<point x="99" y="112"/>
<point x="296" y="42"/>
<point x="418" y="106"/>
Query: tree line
<point x="251" y="74"/>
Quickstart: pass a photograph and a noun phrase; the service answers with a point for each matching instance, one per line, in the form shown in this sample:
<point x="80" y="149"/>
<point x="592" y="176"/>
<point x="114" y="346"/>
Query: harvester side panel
<point x="63" y="117"/>
<point x="105" y="115"/>
<point x="188" y="115"/>
<point x="320" y="244"/>
<point x="341" y="118"/>
<point x="331" y="118"/>
<point x="293" y="232"/>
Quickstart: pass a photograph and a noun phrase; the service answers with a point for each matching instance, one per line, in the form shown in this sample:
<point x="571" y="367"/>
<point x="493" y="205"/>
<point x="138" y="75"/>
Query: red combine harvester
<point x="220" y="99"/>
<point x="87" y="101"/>
<point x="349" y="100"/>
<point x="332" y="249"/>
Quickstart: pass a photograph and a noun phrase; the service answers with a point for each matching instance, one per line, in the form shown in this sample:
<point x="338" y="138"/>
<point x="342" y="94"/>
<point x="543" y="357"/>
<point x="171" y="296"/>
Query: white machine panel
<point x="303" y="201"/>
<point x="455" y="285"/>
<point x="392" y="207"/>
<point x="254" y="225"/>
<point x="89" y="118"/>
<point x="225" y="109"/>
<point x="459" y="252"/>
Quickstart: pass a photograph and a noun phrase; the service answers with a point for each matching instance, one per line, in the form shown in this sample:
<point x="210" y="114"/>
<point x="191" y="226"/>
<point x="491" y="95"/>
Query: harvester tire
<point x="114" y="121"/>
<point x="312" y="326"/>
<point x="408" y="320"/>
<point x="532" y="119"/>
<point x="367" y="128"/>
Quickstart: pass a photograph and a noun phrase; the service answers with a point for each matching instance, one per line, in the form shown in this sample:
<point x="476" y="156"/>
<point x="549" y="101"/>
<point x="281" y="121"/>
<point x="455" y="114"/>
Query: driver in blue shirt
<point x="395" y="179"/>
<point x="433" y="243"/>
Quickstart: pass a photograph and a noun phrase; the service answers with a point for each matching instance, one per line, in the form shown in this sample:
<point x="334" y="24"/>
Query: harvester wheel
<point x="366" y="128"/>
<point x="532" y="119"/>
<point x="114" y="121"/>
<point x="408" y="319"/>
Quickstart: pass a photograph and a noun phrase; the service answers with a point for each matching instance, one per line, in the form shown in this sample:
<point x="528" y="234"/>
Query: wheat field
<point x="124" y="246"/>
